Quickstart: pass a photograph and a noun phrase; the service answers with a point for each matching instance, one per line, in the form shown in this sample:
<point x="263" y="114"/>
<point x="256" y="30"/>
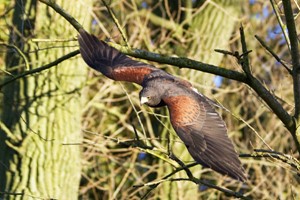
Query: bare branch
<point x="181" y="62"/>
<point x="262" y="153"/>
<point x="19" y="52"/>
<point x="117" y="23"/>
<point x="226" y="191"/>
<point x="290" y="23"/>
<point x="245" y="60"/>
<point x="282" y="26"/>
<point x="42" y="68"/>
<point x="263" y="93"/>
<point x="273" y="54"/>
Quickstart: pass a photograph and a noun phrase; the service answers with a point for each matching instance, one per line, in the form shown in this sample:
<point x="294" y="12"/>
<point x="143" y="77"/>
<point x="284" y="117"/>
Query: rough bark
<point x="41" y="113"/>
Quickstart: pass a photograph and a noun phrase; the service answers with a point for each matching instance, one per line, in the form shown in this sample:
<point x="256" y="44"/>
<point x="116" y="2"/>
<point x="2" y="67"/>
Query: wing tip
<point x="83" y="36"/>
<point x="239" y="174"/>
<point x="233" y="169"/>
<point x="85" y="51"/>
<point x="236" y="173"/>
<point x="90" y="48"/>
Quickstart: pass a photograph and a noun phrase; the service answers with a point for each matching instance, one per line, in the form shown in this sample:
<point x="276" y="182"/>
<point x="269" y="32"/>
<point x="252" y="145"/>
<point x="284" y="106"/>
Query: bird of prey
<point x="192" y="116"/>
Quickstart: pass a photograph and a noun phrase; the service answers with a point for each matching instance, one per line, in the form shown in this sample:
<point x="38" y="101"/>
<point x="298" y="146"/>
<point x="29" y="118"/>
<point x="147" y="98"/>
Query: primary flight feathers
<point x="193" y="118"/>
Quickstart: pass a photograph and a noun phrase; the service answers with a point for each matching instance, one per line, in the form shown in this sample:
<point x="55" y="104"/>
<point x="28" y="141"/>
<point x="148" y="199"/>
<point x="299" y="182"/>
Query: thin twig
<point x="140" y="145"/>
<point x="19" y="52"/>
<point x="186" y="169"/>
<point x="42" y="68"/>
<point x="135" y="133"/>
<point x="262" y="153"/>
<point x="226" y="191"/>
<point x="225" y="52"/>
<point x="137" y="115"/>
<point x="290" y="23"/>
<point x="273" y="54"/>
<point x="281" y="24"/>
<point x="235" y="54"/>
<point x="117" y="23"/>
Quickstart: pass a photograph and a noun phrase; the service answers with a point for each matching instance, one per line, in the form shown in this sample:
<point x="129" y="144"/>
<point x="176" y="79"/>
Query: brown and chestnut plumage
<point x="192" y="116"/>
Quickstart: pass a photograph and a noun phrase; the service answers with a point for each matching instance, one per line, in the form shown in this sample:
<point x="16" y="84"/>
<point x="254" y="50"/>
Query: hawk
<point x="192" y="116"/>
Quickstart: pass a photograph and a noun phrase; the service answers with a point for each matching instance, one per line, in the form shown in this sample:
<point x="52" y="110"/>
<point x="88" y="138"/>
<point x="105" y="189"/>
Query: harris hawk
<point x="192" y="116"/>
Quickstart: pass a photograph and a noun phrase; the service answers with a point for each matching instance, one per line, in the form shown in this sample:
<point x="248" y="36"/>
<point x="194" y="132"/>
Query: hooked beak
<point x="143" y="100"/>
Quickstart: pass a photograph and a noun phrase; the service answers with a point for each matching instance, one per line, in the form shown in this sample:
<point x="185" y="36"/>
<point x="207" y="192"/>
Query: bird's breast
<point x="184" y="110"/>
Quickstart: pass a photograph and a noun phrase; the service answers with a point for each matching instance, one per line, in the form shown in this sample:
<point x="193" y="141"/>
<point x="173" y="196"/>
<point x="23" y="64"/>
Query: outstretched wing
<point x="110" y="62"/>
<point x="204" y="133"/>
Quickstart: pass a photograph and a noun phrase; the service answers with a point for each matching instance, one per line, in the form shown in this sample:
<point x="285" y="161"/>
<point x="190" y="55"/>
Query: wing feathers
<point x="193" y="118"/>
<point x="206" y="135"/>
<point x="110" y="62"/>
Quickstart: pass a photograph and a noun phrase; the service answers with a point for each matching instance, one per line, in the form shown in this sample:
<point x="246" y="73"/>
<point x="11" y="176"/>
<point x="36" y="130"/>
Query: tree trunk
<point x="40" y="121"/>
